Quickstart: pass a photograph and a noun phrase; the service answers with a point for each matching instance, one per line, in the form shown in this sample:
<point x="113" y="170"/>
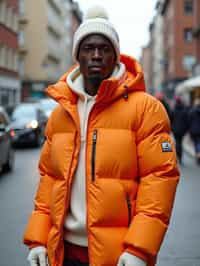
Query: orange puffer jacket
<point x="131" y="175"/>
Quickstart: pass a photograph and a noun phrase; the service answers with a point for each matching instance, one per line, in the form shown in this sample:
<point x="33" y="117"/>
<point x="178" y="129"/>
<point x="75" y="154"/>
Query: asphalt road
<point x="181" y="246"/>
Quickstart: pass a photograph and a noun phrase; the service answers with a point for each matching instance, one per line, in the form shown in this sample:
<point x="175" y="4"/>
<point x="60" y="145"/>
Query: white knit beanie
<point x="96" y="21"/>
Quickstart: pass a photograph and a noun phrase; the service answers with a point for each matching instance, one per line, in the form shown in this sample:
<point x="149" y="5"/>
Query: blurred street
<point x="181" y="245"/>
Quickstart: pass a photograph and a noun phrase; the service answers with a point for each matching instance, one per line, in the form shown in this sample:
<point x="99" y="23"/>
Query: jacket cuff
<point x="37" y="230"/>
<point x="137" y="253"/>
<point x="34" y="245"/>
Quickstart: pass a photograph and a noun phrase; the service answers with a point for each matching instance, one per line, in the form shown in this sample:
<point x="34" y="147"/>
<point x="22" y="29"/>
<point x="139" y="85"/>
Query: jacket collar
<point x="110" y="89"/>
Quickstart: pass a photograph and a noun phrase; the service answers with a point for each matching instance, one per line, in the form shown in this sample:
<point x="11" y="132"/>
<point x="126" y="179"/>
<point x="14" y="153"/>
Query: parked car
<point x="6" y="135"/>
<point x="28" y="122"/>
<point x="47" y="105"/>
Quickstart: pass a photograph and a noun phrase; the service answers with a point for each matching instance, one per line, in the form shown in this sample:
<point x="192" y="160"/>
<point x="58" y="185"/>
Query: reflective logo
<point x="166" y="146"/>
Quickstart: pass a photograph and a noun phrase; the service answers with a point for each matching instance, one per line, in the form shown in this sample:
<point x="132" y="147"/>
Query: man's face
<point x="96" y="57"/>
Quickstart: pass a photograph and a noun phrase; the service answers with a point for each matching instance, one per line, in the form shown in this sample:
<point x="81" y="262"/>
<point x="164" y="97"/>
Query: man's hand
<point x="38" y="256"/>
<point x="127" y="259"/>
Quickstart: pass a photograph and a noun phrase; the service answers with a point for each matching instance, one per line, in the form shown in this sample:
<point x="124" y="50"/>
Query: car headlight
<point x="33" y="124"/>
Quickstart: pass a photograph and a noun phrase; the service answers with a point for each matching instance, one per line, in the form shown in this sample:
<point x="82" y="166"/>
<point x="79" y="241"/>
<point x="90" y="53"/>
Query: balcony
<point x="23" y="19"/>
<point x="55" y="23"/>
<point x="54" y="51"/>
<point x="23" y="49"/>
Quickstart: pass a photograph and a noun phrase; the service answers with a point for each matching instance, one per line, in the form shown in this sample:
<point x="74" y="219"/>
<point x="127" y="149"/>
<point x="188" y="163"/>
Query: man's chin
<point x="95" y="80"/>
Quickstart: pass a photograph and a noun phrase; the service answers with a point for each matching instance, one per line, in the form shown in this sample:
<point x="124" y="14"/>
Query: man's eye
<point x="106" y="49"/>
<point x="87" y="48"/>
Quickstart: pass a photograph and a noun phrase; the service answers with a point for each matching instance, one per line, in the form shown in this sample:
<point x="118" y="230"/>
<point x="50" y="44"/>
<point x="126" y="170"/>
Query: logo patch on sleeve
<point x="166" y="146"/>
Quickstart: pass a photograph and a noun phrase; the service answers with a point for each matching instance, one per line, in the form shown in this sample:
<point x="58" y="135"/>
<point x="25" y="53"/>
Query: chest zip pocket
<point x="93" y="159"/>
<point x="128" y="202"/>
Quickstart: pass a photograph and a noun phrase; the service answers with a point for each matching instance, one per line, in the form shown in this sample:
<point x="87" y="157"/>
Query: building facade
<point x="179" y="44"/>
<point x="146" y="64"/>
<point x="174" y="43"/>
<point x="158" y="62"/>
<point x="9" y="77"/>
<point x="44" y="42"/>
<point x="196" y="35"/>
<point x="74" y="15"/>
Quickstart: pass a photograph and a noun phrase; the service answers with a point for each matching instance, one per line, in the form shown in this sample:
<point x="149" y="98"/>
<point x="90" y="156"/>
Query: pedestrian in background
<point x="179" y="125"/>
<point x="108" y="171"/>
<point x="194" y="127"/>
<point x="161" y="97"/>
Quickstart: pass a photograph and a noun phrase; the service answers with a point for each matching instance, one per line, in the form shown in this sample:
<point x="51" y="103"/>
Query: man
<point x="179" y="125"/>
<point x="108" y="166"/>
<point x="194" y="126"/>
<point x="161" y="97"/>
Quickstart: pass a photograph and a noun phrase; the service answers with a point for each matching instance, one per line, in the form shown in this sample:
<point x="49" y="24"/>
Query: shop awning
<point x="188" y="85"/>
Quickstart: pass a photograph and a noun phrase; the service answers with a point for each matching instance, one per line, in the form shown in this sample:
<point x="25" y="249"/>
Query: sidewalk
<point x="188" y="146"/>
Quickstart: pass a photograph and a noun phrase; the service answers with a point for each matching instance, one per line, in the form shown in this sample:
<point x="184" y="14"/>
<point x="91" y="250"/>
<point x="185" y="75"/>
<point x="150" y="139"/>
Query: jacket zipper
<point x="94" y="142"/>
<point x="128" y="202"/>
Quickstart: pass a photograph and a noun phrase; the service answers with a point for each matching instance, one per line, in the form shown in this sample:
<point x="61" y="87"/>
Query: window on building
<point x="21" y="7"/>
<point x="9" y="17"/>
<point x="188" y="62"/>
<point x="21" y="67"/>
<point x="21" y="38"/>
<point x="9" y="58"/>
<point x="188" y="35"/>
<point x="2" y="11"/>
<point x="6" y="58"/>
<point x="15" y="61"/>
<point x="4" y="97"/>
<point x="1" y="6"/>
<point x="3" y="55"/>
<point x="15" y="22"/>
<point x="188" y="7"/>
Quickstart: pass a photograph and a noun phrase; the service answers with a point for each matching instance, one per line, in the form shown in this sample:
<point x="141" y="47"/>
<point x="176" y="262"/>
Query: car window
<point x="24" y="111"/>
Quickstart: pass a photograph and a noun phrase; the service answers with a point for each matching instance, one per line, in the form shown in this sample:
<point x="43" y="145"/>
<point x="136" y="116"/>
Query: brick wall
<point x="175" y="45"/>
<point x="8" y="37"/>
<point x="13" y="3"/>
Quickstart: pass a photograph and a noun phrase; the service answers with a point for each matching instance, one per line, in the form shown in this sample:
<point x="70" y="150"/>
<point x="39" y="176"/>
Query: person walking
<point x="194" y="127"/>
<point x="108" y="171"/>
<point x="161" y="97"/>
<point x="179" y="125"/>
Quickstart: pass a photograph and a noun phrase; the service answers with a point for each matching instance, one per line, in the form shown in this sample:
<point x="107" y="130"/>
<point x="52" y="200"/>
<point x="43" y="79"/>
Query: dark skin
<point x="97" y="61"/>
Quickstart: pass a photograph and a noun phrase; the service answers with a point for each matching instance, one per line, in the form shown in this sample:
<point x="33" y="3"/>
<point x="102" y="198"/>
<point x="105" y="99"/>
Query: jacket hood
<point x="109" y="90"/>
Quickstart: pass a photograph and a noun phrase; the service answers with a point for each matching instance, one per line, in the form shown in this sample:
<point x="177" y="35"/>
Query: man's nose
<point x="97" y="53"/>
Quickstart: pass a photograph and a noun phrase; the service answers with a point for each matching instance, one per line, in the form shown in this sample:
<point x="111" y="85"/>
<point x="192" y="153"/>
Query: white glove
<point x="38" y="256"/>
<point x="127" y="259"/>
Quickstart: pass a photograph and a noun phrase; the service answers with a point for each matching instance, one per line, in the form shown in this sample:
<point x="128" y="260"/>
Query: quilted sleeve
<point x="39" y="224"/>
<point x="158" y="178"/>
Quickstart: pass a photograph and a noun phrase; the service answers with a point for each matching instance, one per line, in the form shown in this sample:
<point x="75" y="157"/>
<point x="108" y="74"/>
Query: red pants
<point x="75" y="255"/>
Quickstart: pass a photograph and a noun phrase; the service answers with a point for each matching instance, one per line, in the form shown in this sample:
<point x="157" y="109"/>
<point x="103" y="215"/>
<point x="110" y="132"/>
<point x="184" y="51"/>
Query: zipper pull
<point x="94" y="137"/>
<point x="94" y="141"/>
<point x="128" y="200"/>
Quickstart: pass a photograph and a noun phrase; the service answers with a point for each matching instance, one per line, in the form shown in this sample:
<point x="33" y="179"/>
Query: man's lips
<point x="95" y="66"/>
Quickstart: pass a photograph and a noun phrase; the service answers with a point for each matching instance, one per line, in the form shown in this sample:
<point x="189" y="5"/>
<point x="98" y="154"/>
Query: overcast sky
<point x="131" y="19"/>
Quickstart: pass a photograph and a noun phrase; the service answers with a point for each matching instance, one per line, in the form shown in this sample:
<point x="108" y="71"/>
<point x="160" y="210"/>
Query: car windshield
<point x="48" y="104"/>
<point x="24" y="111"/>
